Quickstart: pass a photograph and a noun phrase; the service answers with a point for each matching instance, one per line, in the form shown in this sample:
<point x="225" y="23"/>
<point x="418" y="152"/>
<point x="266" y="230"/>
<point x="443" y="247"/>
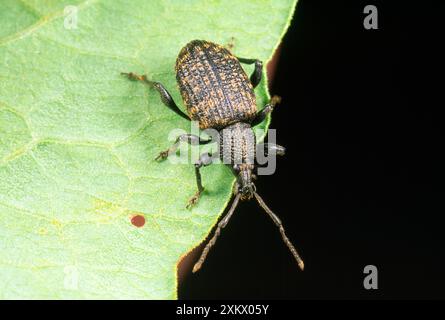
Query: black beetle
<point x="219" y="95"/>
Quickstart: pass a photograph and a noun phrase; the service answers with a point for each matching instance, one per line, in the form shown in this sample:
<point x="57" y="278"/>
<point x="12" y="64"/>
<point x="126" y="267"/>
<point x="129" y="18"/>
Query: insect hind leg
<point x="166" y="98"/>
<point x="257" y="73"/>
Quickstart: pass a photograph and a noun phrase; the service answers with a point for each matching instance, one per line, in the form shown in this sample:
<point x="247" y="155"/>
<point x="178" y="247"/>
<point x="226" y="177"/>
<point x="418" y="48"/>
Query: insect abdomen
<point x="213" y="85"/>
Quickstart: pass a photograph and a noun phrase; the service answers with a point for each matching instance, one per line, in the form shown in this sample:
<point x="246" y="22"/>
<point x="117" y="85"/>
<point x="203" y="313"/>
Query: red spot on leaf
<point x="138" y="221"/>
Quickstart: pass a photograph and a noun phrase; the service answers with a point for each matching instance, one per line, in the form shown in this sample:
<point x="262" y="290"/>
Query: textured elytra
<point x="214" y="86"/>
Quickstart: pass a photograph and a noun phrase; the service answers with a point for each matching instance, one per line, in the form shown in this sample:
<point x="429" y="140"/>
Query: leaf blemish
<point x="138" y="220"/>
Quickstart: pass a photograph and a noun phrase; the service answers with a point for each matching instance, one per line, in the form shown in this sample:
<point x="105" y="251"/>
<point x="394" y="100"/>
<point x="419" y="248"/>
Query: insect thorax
<point x="237" y="145"/>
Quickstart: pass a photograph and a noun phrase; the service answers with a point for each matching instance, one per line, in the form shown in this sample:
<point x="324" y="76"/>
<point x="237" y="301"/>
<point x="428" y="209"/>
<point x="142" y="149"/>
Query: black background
<point x="363" y="178"/>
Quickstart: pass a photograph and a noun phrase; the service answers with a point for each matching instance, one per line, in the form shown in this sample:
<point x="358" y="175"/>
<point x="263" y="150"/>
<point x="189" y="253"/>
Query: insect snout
<point x="245" y="185"/>
<point x="247" y="191"/>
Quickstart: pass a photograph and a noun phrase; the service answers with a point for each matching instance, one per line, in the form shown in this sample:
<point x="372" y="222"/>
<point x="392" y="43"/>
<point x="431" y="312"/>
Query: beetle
<point x="219" y="95"/>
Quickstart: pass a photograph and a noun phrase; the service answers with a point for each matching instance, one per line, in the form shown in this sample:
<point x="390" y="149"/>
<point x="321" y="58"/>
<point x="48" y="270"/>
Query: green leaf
<point x="78" y="141"/>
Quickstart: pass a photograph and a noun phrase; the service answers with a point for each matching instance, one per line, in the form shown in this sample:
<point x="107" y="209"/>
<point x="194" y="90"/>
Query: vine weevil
<point x="219" y="95"/>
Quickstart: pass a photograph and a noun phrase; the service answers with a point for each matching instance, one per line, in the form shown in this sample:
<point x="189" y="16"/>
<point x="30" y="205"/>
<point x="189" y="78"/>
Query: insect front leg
<point x="165" y="95"/>
<point x="256" y="76"/>
<point x="261" y="115"/>
<point x="204" y="160"/>
<point x="272" y="148"/>
<point x="189" y="138"/>
<point x="265" y="157"/>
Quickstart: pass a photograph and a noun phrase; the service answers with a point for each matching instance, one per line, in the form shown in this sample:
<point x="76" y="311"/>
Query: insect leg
<point x="189" y="138"/>
<point x="261" y="115"/>
<point x="204" y="160"/>
<point x="255" y="78"/>
<point x="212" y="241"/>
<point x="278" y="223"/>
<point x="273" y="148"/>
<point x="165" y="96"/>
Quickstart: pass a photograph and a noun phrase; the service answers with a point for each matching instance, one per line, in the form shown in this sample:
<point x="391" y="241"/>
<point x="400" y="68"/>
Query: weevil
<point x="218" y="94"/>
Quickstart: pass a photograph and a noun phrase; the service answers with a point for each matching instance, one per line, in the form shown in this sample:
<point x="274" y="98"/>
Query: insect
<point x="219" y="95"/>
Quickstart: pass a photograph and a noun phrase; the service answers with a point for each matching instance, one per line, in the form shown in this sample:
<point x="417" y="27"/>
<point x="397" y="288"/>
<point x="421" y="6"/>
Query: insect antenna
<point x="212" y="241"/>
<point x="278" y="223"/>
